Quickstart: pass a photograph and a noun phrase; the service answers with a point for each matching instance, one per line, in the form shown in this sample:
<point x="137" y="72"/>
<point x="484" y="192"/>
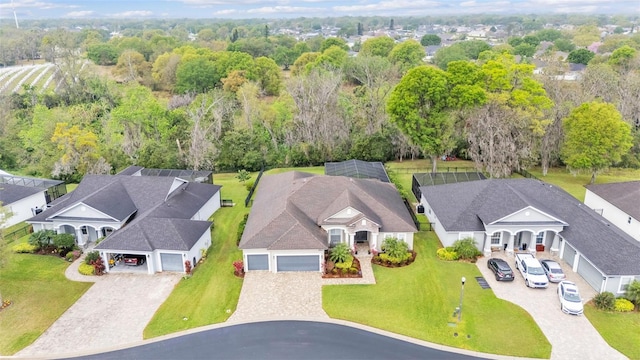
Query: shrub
<point x="605" y="301"/>
<point x="24" y="248"/>
<point x="41" y="239"/>
<point x="633" y="292"/>
<point x="241" y="226"/>
<point x="238" y="266"/>
<point x="187" y="267"/>
<point x="340" y="253"/>
<point x="395" y="248"/>
<point x="69" y="256"/>
<point x="64" y="242"/>
<point x="466" y="249"/>
<point x="447" y="254"/>
<point x="623" y="305"/>
<point x="85" y="269"/>
<point x="91" y="257"/>
<point x="345" y="264"/>
<point x="98" y="266"/>
<point x="248" y="185"/>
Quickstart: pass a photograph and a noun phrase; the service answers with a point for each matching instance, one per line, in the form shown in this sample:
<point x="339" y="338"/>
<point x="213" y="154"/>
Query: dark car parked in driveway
<point x="501" y="269"/>
<point x="134" y="260"/>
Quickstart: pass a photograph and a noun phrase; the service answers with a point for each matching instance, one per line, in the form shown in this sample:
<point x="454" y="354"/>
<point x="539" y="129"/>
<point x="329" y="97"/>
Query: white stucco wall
<point x="616" y="216"/>
<point x="203" y="243"/>
<point x="408" y="238"/>
<point x="21" y="209"/>
<point x="83" y="211"/>
<point x="208" y="209"/>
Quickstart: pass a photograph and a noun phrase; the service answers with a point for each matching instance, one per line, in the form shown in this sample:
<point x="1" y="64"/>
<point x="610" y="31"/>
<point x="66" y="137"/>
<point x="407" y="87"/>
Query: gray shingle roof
<point x="289" y="208"/>
<point x="459" y="207"/>
<point x="10" y="193"/>
<point x="624" y="195"/>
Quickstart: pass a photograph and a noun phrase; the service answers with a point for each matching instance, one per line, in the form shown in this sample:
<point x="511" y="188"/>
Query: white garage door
<point x="590" y="273"/>
<point x="171" y="262"/>
<point x="298" y="263"/>
<point x="258" y="262"/>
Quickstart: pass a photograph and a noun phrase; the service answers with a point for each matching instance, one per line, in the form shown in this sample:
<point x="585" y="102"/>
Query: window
<point x="388" y="235"/>
<point x="335" y="236"/>
<point x="496" y="237"/>
<point x="624" y="283"/>
<point x="402" y="236"/>
<point x="540" y="237"/>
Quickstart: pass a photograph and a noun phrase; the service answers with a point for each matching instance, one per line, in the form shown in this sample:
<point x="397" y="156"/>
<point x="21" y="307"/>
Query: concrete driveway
<point x="571" y="337"/>
<point x="114" y="311"/>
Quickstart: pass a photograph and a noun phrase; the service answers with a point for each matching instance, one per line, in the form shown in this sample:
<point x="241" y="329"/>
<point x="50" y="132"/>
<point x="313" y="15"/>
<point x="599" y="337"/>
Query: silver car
<point x="570" y="300"/>
<point x="553" y="270"/>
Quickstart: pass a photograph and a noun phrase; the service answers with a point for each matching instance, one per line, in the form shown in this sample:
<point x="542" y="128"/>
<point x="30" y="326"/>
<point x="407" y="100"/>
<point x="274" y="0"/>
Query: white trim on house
<point x="612" y="213"/>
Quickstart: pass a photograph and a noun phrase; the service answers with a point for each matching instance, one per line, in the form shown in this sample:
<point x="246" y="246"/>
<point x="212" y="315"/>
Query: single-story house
<point x="296" y="216"/>
<point x="25" y="196"/>
<point x="618" y="203"/>
<point x="530" y="215"/>
<point x="161" y="218"/>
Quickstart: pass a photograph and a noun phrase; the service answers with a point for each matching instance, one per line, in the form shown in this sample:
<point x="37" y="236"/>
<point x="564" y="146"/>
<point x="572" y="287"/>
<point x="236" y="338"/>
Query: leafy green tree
<point x="64" y="242"/>
<point x="448" y="54"/>
<point x="586" y="35"/>
<point x="269" y="76"/>
<point x="377" y="46"/>
<point x="430" y="39"/>
<point x="548" y="35"/>
<point x="334" y="41"/>
<point x="407" y="55"/>
<point x="198" y="75"/>
<point x="623" y="58"/>
<point x="418" y="106"/>
<point x="580" y="56"/>
<point x="243" y="175"/>
<point x="565" y="45"/>
<point x="524" y="49"/>
<point x="103" y="53"/>
<point x="595" y="138"/>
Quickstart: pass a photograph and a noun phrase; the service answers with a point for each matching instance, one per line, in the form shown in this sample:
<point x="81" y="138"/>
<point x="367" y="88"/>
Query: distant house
<point x="296" y="216"/>
<point x="529" y="215"/>
<point x="619" y="203"/>
<point x="25" y="196"/>
<point x="161" y="218"/>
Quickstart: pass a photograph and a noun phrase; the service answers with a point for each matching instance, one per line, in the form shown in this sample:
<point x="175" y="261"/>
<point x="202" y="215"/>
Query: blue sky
<point x="237" y="9"/>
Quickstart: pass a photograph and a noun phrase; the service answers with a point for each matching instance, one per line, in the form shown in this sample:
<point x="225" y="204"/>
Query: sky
<point x="242" y="9"/>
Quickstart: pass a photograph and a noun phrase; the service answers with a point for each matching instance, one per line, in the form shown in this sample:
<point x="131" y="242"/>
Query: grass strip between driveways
<point x="40" y="294"/>
<point x="620" y="330"/>
<point x="419" y="301"/>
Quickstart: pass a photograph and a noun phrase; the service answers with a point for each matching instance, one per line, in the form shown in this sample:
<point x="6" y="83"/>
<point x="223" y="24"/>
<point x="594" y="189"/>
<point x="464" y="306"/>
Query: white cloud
<point x="77" y="14"/>
<point x="283" y="10"/>
<point x="225" y="12"/>
<point x="134" y="13"/>
<point x="33" y="4"/>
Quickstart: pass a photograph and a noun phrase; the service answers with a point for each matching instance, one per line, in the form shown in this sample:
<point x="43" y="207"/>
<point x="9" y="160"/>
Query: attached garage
<point x="298" y="263"/>
<point x="590" y="273"/>
<point x="569" y="254"/>
<point x="171" y="262"/>
<point x="258" y="262"/>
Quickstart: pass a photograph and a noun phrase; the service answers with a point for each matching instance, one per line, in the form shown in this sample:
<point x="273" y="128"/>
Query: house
<point x="25" y="196"/>
<point x="296" y="216"/>
<point x="163" y="219"/>
<point x="530" y="215"/>
<point x="618" y="203"/>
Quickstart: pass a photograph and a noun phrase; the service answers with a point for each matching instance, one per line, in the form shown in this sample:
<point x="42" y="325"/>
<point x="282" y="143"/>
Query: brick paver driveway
<point x="114" y="311"/>
<point x="571" y="337"/>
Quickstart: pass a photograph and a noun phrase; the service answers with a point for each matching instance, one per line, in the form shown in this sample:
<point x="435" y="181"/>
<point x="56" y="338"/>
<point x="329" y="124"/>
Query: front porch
<point x="532" y="241"/>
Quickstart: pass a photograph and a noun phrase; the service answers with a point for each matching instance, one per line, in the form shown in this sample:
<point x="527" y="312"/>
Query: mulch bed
<point x="344" y="273"/>
<point x="376" y="260"/>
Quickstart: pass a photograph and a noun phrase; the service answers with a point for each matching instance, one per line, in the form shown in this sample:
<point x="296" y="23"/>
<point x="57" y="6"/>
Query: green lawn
<point x="620" y="330"/>
<point x="211" y="294"/>
<point x="419" y="300"/>
<point x="40" y="294"/>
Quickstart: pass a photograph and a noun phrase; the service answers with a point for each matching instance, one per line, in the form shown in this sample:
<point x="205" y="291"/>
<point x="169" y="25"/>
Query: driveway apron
<point x="571" y="337"/>
<point x="114" y="311"/>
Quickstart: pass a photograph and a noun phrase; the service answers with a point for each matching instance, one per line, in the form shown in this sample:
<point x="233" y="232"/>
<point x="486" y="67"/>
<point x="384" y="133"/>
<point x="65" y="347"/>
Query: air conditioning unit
<point x="420" y="209"/>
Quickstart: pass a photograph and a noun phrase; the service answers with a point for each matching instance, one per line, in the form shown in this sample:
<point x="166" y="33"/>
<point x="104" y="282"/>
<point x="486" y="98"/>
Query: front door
<point x="361" y="237"/>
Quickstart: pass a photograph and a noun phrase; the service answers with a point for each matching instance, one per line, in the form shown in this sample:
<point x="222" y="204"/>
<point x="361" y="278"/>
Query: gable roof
<point x="290" y="207"/>
<point x="460" y="207"/>
<point x="623" y="195"/>
<point x="10" y="193"/>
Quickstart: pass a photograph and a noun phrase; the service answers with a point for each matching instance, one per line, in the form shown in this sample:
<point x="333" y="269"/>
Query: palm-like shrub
<point x="633" y="292"/>
<point x="340" y="253"/>
<point x="394" y="248"/>
<point x="466" y="248"/>
<point x="605" y="301"/>
<point x="41" y="239"/>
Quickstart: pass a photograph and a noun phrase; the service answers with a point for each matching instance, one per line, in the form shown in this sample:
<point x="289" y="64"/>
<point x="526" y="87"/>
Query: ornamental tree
<point x="596" y="137"/>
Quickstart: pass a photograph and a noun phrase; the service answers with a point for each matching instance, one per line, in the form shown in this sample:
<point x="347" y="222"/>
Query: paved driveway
<point x="114" y="311"/>
<point x="571" y="337"/>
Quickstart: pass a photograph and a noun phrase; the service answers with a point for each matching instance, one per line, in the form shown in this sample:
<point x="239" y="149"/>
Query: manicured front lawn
<point x="419" y="300"/>
<point x="211" y="294"/>
<point x="40" y="294"/>
<point x="620" y="330"/>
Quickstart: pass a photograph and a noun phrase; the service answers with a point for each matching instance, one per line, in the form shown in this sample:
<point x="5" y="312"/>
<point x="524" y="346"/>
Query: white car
<point x="570" y="300"/>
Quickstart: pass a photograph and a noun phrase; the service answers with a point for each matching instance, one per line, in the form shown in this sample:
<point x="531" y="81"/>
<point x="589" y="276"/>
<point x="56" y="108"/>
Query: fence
<point x="17" y="234"/>
<point x="247" y="201"/>
<point x="526" y="174"/>
<point x="413" y="214"/>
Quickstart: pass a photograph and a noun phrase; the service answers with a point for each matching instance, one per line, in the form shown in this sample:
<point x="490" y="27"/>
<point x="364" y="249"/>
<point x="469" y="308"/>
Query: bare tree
<point x="318" y="120"/>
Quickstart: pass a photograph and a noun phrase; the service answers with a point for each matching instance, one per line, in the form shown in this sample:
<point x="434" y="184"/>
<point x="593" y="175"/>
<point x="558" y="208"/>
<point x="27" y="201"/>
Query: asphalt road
<point x="281" y="340"/>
